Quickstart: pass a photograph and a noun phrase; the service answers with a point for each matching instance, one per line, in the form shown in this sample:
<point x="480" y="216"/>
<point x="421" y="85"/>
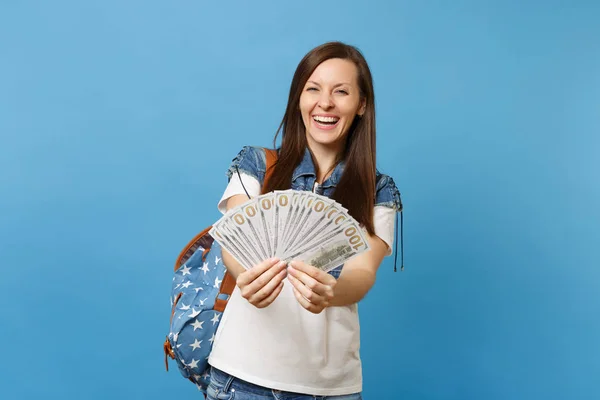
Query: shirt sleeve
<point x="387" y="204"/>
<point x="250" y="165"/>
<point x="383" y="221"/>
<point x="236" y="186"/>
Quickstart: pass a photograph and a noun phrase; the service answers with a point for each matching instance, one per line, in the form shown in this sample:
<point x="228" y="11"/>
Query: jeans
<point x="226" y="387"/>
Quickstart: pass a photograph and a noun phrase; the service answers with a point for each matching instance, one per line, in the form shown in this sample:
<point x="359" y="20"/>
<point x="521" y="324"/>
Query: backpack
<point x="199" y="294"/>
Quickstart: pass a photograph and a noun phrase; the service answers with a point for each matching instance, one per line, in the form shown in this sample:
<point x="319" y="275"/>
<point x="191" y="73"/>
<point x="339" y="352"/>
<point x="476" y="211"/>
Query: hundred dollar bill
<point x="282" y="209"/>
<point x="258" y="226"/>
<point x="330" y="257"/>
<point x="231" y="246"/>
<point x="290" y="224"/>
<point x="334" y="249"/>
<point x="236" y="235"/>
<point x="296" y="212"/>
<point x="302" y="216"/>
<point x="328" y="220"/>
<point x="292" y="197"/>
<point x="312" y="211"/>
<point x="266" y="207"/>
<point x="237" y="224"/>
<point x="296" y="197"/>
<point x="323" y="240"/>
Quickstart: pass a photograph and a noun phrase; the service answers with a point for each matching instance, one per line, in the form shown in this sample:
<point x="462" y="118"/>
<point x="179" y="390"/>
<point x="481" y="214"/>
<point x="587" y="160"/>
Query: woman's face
<point x="330" y="101"/>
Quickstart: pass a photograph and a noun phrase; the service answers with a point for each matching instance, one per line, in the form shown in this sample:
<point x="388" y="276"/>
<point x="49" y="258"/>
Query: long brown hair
<point x="356" y="188"/>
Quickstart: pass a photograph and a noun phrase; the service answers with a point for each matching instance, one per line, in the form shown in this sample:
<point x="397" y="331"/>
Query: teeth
<point x="325" y="119"/>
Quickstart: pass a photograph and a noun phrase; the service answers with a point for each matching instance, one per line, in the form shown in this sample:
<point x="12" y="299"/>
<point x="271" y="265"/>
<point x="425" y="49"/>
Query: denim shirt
<point x="251" y="160"/>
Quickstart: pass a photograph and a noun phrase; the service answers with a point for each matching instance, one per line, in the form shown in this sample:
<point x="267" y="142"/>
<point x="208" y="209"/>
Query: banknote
<point x="282" y="210"/>
<point x="256" y="226"/>
<point x="266" y="207"/>
<point x="242" y="238"/>
<point x="291" y="224"/>
<point x="317" y="211"/>
<point x="232" y="246"/>
<point x="330" y="255"/>
<point x="297" y="198"/>
<point x="349" y="231"/>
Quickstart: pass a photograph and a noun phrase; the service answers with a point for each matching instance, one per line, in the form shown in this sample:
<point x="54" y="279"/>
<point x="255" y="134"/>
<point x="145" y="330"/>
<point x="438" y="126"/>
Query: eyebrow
<point x="339" y="84"/>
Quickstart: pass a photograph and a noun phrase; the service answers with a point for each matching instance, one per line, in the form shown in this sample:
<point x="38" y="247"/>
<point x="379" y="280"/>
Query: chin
<point x="324" y="139"/>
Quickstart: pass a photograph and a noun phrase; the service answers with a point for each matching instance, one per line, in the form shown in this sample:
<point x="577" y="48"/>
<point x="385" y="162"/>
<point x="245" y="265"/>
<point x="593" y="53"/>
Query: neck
<point x="325" y="158"/>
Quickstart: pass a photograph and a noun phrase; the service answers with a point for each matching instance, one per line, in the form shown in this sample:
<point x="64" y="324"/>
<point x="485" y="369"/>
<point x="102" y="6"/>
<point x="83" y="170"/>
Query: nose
<point x="325" y="100"/>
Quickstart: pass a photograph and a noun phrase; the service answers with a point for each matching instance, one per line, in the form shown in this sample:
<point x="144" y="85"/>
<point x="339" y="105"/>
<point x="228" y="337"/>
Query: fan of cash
<point x="290" y="225"/>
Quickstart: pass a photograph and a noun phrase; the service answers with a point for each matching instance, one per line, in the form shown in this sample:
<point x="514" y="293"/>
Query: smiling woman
<point x="330" y="103"/>
<point x="292" y="331"/>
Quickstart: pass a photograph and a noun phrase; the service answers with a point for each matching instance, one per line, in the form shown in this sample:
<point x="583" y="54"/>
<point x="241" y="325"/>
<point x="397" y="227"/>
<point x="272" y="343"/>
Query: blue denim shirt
<point x="252" y="161"/>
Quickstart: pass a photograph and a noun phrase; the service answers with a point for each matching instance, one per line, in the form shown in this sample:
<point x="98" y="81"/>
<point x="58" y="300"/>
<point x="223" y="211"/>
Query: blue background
<point x="118" y="120"/>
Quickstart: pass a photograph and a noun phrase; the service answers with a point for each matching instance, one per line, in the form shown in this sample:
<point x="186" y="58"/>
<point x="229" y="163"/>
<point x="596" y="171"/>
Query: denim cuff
<point x="250" y="160"/>
<point x="387" y="193"/>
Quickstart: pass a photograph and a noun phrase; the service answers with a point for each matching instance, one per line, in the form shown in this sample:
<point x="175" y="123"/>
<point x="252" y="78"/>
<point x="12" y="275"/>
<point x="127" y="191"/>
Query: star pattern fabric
<point x="195" y="322"/>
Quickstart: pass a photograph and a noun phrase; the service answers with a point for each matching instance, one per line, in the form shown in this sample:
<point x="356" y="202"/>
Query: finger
<point x="258" y="269"/>
<point x="315" y="273"/>
<point x="310" y="282"/>
<point x="271" y="297"/>
<point x="264" y="278"/>
<point x="266" y="290"/>
<point x="308" y="294"/>
<point x="307" y="269"/>
<point x="305" y="303"/>
<point x="251" y="274"/>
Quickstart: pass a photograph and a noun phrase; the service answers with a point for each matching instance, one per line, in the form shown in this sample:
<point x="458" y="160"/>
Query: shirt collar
<point x="307" y="168"/>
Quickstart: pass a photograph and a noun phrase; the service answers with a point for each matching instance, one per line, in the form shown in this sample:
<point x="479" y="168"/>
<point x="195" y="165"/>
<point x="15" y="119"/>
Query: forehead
<point x="334" y="71"/>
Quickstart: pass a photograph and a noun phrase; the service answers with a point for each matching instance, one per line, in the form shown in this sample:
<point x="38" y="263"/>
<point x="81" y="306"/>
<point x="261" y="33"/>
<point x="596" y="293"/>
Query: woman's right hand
<point x="261" y="284"/>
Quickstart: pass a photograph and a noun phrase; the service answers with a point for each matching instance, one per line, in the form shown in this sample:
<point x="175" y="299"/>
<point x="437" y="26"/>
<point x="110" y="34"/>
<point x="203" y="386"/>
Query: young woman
<point x="292" y="332"/>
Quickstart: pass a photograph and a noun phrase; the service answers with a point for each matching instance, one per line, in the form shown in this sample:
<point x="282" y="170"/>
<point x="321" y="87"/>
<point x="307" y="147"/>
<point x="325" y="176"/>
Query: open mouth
<point x="325" y="122"/>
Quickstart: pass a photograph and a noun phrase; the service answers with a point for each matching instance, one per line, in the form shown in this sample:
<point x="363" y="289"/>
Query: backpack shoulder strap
<point x="228" y="283"/>
<point x="271" y="160"/>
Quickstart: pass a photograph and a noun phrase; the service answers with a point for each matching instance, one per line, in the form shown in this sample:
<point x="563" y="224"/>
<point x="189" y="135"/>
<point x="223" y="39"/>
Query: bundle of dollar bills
<point x="290" y="225"/>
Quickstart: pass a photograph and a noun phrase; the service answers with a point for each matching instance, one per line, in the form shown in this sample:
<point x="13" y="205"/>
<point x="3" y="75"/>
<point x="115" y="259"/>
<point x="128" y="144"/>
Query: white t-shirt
<point x="284" y="346"/>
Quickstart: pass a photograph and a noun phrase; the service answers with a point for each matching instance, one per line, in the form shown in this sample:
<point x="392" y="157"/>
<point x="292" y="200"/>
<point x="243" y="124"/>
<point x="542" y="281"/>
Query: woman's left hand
<point x="313" y="288"/>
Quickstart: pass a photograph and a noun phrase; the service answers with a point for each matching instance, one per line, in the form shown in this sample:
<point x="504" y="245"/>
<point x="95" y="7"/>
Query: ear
<point x="362" y="108"/>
